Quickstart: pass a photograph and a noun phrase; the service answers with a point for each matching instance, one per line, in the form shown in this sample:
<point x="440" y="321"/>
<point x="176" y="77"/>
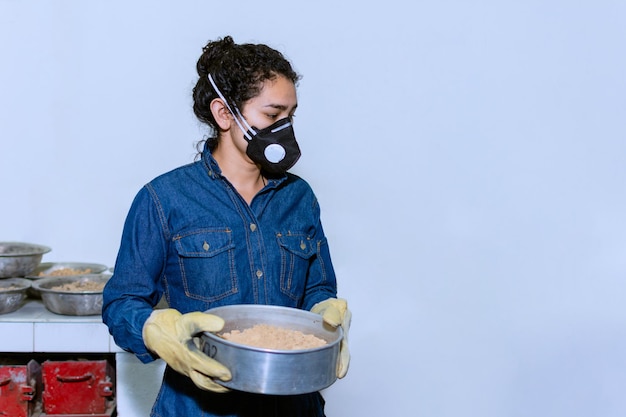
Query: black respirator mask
<point x="274" y="148"/>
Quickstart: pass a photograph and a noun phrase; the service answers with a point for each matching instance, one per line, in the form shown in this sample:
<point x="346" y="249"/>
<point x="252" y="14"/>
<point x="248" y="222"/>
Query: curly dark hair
<point x="239" y="70"/>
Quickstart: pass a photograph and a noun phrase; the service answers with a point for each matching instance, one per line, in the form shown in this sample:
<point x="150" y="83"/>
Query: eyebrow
<point x="280" y="106"/>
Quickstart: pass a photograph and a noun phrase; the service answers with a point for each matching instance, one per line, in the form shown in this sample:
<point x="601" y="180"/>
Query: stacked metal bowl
<point x="18" y="259"/>
<point x="12" y="294"/>
<point x="62" y="270"/>
<point x="77" y="295"/>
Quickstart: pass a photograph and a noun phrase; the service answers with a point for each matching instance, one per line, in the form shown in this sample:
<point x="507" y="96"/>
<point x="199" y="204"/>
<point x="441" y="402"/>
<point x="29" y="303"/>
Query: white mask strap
<point x="236" y="117"/>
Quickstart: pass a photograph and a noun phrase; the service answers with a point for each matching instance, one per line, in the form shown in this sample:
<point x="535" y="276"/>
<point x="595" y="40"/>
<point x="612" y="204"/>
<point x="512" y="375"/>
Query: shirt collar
<point x="213" y="168"/>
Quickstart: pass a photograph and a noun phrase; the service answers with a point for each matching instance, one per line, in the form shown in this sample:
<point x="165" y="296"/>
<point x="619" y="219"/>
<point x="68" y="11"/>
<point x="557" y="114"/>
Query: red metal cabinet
<point x="19" y="386"/>
<point x="77" y="388"/>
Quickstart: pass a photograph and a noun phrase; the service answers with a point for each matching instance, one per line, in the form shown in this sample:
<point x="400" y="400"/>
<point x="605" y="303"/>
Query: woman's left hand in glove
<point x="334" y="311"/>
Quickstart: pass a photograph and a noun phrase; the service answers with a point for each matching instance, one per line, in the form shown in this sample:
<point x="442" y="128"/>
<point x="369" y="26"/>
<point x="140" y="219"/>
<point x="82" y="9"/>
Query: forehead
<point x="279" y="91"/>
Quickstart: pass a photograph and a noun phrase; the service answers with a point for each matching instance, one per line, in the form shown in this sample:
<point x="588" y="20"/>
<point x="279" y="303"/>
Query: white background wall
<point x="468" y="156"/>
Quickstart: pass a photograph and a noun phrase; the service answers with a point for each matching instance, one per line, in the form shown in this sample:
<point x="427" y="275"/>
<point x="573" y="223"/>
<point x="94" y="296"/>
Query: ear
<point x="222" y="115"/>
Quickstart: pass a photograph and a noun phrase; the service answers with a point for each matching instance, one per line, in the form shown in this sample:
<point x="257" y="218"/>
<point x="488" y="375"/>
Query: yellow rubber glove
<point x="335" y="312"/>
<point x="169" y="334"/>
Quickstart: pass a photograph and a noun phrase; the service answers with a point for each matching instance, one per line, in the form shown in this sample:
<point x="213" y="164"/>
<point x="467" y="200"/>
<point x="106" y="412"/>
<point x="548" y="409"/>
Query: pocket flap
<point x="204" y="243"/>
<point x="299" y="245"/>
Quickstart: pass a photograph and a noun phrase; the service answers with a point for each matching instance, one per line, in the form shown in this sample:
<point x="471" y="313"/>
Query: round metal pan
<point x="270" y="371"/>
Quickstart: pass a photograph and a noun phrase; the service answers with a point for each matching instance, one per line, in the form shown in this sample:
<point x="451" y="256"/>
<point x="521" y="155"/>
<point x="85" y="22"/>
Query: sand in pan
<point x="273" y="337"/>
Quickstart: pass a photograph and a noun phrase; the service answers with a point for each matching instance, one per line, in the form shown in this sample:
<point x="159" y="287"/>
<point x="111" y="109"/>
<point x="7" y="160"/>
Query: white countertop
<point x="33" y="328"/>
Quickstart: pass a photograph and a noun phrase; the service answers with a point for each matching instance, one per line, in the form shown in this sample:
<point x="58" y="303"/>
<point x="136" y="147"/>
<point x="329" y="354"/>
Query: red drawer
<point x="19" y="385"/>
<point x="77" y="387"/>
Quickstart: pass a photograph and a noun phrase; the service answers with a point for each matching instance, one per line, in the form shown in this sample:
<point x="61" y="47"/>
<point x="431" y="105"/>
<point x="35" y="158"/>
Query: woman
<point x="231" y="228"/>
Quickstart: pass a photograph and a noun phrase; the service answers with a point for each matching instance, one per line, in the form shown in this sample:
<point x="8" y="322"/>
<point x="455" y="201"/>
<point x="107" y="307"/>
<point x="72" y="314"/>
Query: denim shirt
<point x="191" y="238"/>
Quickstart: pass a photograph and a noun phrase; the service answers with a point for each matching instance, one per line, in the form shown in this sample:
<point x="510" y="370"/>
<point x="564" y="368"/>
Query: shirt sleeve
<point x="321" y="279"/>
<point x="134" y="289"/>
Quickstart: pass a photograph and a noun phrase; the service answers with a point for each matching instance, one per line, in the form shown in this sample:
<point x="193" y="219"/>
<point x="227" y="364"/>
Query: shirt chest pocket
<point x="207" y="263"/>
<point x="296" y="251"/>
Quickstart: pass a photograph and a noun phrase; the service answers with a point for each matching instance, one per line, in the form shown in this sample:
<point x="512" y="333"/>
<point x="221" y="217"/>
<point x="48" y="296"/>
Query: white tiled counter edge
<point x="33" y="328"/>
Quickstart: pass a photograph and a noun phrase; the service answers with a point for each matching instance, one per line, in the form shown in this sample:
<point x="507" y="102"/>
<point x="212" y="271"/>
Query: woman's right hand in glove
<point x="169" y="334"/>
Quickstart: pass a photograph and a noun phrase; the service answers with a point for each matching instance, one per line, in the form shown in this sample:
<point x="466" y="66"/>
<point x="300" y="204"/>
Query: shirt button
<point x="252" y="227"/>
<point x="259" y="273"/>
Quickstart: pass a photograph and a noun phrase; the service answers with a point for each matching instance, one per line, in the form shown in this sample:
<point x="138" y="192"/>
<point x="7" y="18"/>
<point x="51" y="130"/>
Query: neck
<point x="242" y="173"/>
